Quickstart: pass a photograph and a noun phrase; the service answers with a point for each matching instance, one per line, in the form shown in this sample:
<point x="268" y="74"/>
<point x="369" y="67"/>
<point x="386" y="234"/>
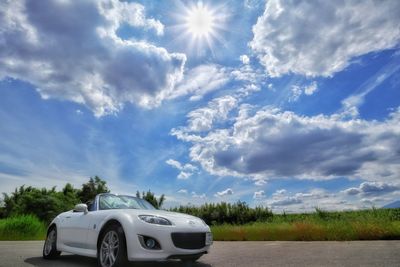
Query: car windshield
<point x="109" y="201"/>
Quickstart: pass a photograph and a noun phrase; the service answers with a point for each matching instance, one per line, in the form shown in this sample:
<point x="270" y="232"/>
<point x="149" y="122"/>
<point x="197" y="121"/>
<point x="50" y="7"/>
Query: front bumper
<point x="162" y="234"/>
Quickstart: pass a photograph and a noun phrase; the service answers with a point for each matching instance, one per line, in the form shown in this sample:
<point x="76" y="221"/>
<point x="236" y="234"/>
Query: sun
<point x="200" y="21"/>
<point x="200" y="26"/>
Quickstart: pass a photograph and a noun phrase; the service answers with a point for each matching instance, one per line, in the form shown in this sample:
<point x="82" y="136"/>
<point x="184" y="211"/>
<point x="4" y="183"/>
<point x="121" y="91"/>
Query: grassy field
<point x="321" y="225"/>
<point x="353" y="225"/>
<point x="25" y="227"/>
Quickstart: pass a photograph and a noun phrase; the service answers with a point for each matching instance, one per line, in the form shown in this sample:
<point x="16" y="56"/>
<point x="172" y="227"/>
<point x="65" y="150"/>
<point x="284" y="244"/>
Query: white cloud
<point x="374" y="201"/>
<point x="260" y="182"/>
<point x="174" y="163"/>
<point x="226" y="192"/>
<point x="182" y="191"/>
<point x="279" y="192"/>
<point x="245" y="59"/>
<point x="131" y="13"/>
<point x="70" y="50"/>
<point x="207" y="78"/>
<point x="201" y="80"/>
<point x="296" y="93"/>
<point x="292" y="37"/>
<point x="372" y="188"/>
<point x="259" y="194"/>
<point x="272" y="143"/>
<point x="352" y="191"/>
<point x="249" y="75"/>
<point x="313" y="194"/>
<point x="184" y="175"/>
<point x="186" y="170"/>
<point x="202" y="119"/>
<point x="351" y="103"/>
<point x="287" y="201"/>
<point x="200" y="196"/>
<point x="298" y="90"/>
<point x="311" y="88"/>
<point x="307" y="201"/>
<point x="252" y="4"/>
<point x="204" y="79"/>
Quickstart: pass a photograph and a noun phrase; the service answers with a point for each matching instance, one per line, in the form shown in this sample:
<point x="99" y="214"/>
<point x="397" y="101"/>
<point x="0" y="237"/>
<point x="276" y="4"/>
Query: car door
<point x="73" y="232"/>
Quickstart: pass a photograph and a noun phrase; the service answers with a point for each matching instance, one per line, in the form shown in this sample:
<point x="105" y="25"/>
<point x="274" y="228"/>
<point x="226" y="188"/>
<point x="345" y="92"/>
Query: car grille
<point x="189" y="240"/>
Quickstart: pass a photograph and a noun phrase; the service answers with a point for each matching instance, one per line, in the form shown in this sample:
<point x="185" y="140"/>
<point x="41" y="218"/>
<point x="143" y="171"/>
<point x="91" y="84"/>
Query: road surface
<point x="224" y="254"/>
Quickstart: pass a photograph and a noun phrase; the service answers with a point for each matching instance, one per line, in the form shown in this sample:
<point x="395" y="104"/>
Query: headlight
<point x="154" y="219"/>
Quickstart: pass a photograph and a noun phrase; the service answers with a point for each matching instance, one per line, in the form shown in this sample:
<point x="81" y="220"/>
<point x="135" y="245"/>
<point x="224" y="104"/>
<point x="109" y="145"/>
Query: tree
<point x="11" y="201"/>
<point x="150" y="197"/>
<point x="90" y="189"/>
<point x="48" y="203"/>
<point x="232" y="213"/>
<point x="2" y="209"/>
<point x="69" y="189"/>
<point x="68" y="196"/>
<point x="43" y="203"/>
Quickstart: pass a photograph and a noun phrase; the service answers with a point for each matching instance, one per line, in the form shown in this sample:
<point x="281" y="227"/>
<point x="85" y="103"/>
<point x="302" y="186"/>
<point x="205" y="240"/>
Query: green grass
<point x="321" y="225"/>
<point x="355" y="225"/>
<point x="24" y="227"/>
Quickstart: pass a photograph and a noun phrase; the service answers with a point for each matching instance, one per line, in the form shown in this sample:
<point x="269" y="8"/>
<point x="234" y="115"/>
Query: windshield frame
<point x="142" y="203"/>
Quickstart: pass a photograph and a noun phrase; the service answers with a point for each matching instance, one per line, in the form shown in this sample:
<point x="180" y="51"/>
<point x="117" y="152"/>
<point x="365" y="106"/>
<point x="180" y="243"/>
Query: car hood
<point x="172" y="216"/>
<point x="164" y="213"/>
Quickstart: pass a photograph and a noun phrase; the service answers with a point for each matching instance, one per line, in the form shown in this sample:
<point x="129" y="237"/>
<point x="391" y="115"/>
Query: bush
<point x="227" y="213"/>
<point x="24" y="227"/>
<point x="335" y="226"/>
<point x="45" y="203"/>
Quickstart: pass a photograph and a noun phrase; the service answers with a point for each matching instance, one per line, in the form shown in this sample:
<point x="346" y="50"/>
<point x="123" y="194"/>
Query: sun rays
<point x="200" y="26"/>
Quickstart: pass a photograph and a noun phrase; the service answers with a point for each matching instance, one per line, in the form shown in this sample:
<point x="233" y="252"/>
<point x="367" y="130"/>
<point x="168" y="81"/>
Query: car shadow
<point x="75" y="260"/>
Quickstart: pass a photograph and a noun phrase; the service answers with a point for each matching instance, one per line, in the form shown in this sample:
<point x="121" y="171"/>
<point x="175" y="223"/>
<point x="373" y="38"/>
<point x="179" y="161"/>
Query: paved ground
<point x="223" y="254"/>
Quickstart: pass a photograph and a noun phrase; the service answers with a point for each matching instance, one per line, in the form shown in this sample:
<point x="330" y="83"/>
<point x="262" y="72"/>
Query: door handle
<point x="68" y="217"/>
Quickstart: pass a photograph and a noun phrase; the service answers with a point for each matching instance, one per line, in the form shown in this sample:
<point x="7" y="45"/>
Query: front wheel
<point x="50" y="245"/>
<point x="112" y="249"/>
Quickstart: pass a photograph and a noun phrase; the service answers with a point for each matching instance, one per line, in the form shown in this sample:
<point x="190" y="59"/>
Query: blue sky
<point x="205" y="101"/>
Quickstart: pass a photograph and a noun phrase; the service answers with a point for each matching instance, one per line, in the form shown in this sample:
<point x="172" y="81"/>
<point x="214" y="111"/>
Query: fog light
<point x="150" y="243"/>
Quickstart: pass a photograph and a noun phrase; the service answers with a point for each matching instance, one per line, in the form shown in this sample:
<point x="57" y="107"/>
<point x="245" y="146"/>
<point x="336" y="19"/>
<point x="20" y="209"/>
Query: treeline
<point x="48" y="203"/>
<point x="221" y="213"/>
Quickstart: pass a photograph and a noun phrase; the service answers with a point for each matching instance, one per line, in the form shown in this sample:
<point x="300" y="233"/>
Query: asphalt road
<point x="248" y="254"/>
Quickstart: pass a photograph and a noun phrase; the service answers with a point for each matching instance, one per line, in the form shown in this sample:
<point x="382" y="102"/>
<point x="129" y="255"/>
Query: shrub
<point x="220" y="213"/>
<point x="24" y="227"/>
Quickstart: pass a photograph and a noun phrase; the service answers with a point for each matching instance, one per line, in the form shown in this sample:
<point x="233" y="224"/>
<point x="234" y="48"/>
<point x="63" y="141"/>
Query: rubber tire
<point x="122" y="259"/>
<point x="54" y="253"/>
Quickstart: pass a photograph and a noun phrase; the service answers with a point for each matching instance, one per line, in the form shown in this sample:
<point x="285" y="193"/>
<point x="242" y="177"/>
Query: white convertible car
<point x="117" y="228"/>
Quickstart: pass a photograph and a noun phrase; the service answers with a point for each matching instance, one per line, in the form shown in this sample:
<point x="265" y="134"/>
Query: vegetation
<point x="24" y="227"/>
<point x="351" y="225"/>
<point x="89" y="190"/>
<point x="240" y="222"/>
<point x="46" y="204"/>
<point x="220" y="213"/>
<point x="150" y="197"/>
<point x="20" y="211"/>
<point x="27" y="211"/>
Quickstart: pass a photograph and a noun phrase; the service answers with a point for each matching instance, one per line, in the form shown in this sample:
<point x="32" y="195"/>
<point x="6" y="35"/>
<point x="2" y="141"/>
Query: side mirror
<point x="81" y="208"/>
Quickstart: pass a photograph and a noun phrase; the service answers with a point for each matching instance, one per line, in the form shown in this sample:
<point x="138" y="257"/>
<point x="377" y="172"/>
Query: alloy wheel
<point x="109" y="249"/>
<point x="50" y="240"/>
